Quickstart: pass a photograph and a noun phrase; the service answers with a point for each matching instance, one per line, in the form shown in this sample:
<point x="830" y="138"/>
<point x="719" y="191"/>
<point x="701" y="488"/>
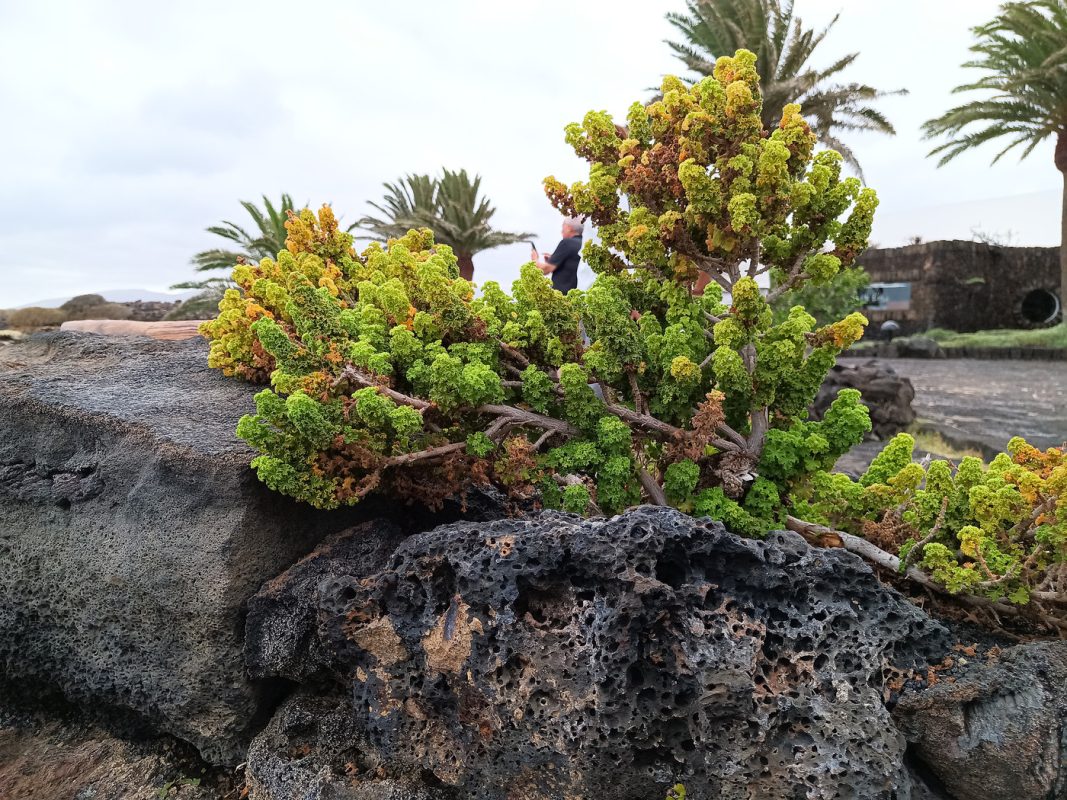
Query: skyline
<point x="137" y="128"/>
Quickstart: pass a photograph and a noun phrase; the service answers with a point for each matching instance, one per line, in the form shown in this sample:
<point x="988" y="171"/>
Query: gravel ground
<point x="988" y="402"/>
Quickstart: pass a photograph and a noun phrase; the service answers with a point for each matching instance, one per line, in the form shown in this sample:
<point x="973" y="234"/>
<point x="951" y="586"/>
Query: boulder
<point x="998" y="730"/>
<point x="184" y="329"/>
<point x="280" y="640"/>
<point x="312" y="749"/>
<point x="888" y="395"/>
<point x="918" y="347"/>
<point x="132" y="533"/>
<point x="554" y="657"/>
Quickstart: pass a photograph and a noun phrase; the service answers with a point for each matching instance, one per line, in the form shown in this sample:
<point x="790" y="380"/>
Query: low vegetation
<point x="387" y="374"/>
<point x="84" y="306"/>
<point x="34" y="317"/>
<point x="1055" y="337"/>
<point x="933" y="442"/>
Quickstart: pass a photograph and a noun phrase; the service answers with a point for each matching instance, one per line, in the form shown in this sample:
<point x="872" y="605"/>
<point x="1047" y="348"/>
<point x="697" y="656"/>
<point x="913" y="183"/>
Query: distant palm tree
<point x="270" y="227"/>
<point x="783" y="47"/>
<point x="1024" y="51"/>
<point x="449" y="206"/>
<point x="265" y="241"/>
<point x="409" y="203"/>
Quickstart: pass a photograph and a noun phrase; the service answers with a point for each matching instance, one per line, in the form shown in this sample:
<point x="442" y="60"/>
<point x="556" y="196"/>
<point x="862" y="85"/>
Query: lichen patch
<point x="380" y="639"/>
<point x="448" y="644"/>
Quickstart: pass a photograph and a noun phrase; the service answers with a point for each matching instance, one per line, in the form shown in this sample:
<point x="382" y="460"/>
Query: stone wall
<point x="964" y="286"/>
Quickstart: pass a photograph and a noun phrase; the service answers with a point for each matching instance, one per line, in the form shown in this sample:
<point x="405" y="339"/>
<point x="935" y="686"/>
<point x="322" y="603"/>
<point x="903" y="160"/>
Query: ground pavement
<point x="982" y="403"/>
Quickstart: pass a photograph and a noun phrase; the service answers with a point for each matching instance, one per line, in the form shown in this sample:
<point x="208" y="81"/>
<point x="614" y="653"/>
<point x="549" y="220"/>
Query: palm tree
<point x="1024" y="51"/>
<point x="270" y="227"/>
<point x="783" y="48"/>
<point x="409" y="203"/>
<point x="265" y="241"/>
<point x="449" y="206"/>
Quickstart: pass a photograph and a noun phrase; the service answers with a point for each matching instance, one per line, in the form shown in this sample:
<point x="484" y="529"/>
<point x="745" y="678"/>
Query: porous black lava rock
<point x="999" y="730"/>
<point x="132" y="533"/>
<point x="312" y="750"/>
<point x="280" y="640"/>
<point x="888" y="395"/>
<point x="558" y="657"/>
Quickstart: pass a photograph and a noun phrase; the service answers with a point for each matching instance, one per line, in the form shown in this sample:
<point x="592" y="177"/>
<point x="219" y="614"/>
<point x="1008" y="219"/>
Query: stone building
<point x="963" y="286"/>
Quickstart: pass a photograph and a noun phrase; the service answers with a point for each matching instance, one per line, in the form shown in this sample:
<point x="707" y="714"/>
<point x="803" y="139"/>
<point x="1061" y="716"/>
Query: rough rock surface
<point x="558" y="657"/>
<point x="132" y="533"/>
<point x="280" y="640"/>
<point x="998" y="731"/>
<point x="888" y="395"/>
<point x="312" y="749"/>
<point x="64" y="760"/>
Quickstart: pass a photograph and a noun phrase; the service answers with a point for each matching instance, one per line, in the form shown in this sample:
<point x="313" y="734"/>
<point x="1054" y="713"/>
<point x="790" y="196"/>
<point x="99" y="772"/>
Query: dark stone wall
<point x="963" y="286"/>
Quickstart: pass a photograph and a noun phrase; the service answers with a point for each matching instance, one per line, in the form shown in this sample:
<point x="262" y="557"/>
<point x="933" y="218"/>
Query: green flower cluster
<point x="996" y="530"/>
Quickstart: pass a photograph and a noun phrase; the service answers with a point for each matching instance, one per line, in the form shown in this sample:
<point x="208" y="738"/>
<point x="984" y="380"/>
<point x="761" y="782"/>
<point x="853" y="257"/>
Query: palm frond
<point x="1023" y="55"/>
<point x="268" y="239"/>
<point x="451" y="206"/>
<point x="784" y="50"/>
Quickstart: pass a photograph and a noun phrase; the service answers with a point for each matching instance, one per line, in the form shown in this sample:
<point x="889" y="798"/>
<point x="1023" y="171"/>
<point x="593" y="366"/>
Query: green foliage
<point x="997" y="530"/>
<point x="805" y="447"/>
<point x="386" y="374"/>
<point x="1021" y="53"/>
<point x="264" y="241"/>
<point x="784" y="49"/>
<point x="1055" y="336"/>
<point x="1024" y="92"/>
<point x="826" y="302"/>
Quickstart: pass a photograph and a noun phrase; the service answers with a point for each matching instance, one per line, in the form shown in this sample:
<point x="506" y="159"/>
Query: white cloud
<point x="130" y="127"/>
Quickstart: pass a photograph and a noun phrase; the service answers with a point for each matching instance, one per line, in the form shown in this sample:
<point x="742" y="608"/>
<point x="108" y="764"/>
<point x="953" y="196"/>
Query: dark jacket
<point x="565" y="259"/>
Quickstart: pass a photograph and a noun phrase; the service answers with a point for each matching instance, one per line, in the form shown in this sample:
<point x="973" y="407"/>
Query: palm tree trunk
<point x="1061" y="165"/>
<point x="466" y="266"/>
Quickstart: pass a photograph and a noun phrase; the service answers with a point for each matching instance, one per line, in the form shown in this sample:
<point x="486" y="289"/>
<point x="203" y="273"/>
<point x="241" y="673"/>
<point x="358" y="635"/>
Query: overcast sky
<point x="129" y="127"/>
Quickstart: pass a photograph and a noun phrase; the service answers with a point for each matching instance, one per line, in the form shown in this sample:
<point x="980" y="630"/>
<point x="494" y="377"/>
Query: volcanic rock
<point x="886" y="394"/>
<point x="557" y="657"/>
<point x="999" y="730"/>
<point x="132" y="532"/>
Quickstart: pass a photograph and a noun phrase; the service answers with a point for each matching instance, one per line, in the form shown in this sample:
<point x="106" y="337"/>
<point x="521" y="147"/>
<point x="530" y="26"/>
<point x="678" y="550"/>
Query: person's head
<point x="572" y="226"/>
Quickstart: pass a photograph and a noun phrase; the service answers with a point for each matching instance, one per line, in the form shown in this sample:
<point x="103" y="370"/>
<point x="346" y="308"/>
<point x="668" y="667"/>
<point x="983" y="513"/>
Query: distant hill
<point x="117" y="296"/>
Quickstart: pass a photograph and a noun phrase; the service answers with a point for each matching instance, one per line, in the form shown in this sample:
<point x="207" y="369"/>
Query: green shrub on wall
<point x="386" y="373"/>
<point x="695" y="401"/>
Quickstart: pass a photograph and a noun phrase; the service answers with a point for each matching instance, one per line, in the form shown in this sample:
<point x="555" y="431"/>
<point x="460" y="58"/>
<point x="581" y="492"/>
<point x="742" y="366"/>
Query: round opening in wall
<point x="1040" y="307"/>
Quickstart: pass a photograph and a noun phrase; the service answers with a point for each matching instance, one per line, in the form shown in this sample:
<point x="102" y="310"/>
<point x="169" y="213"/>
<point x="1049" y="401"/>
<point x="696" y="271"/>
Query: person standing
<point x="562" y="263"/>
